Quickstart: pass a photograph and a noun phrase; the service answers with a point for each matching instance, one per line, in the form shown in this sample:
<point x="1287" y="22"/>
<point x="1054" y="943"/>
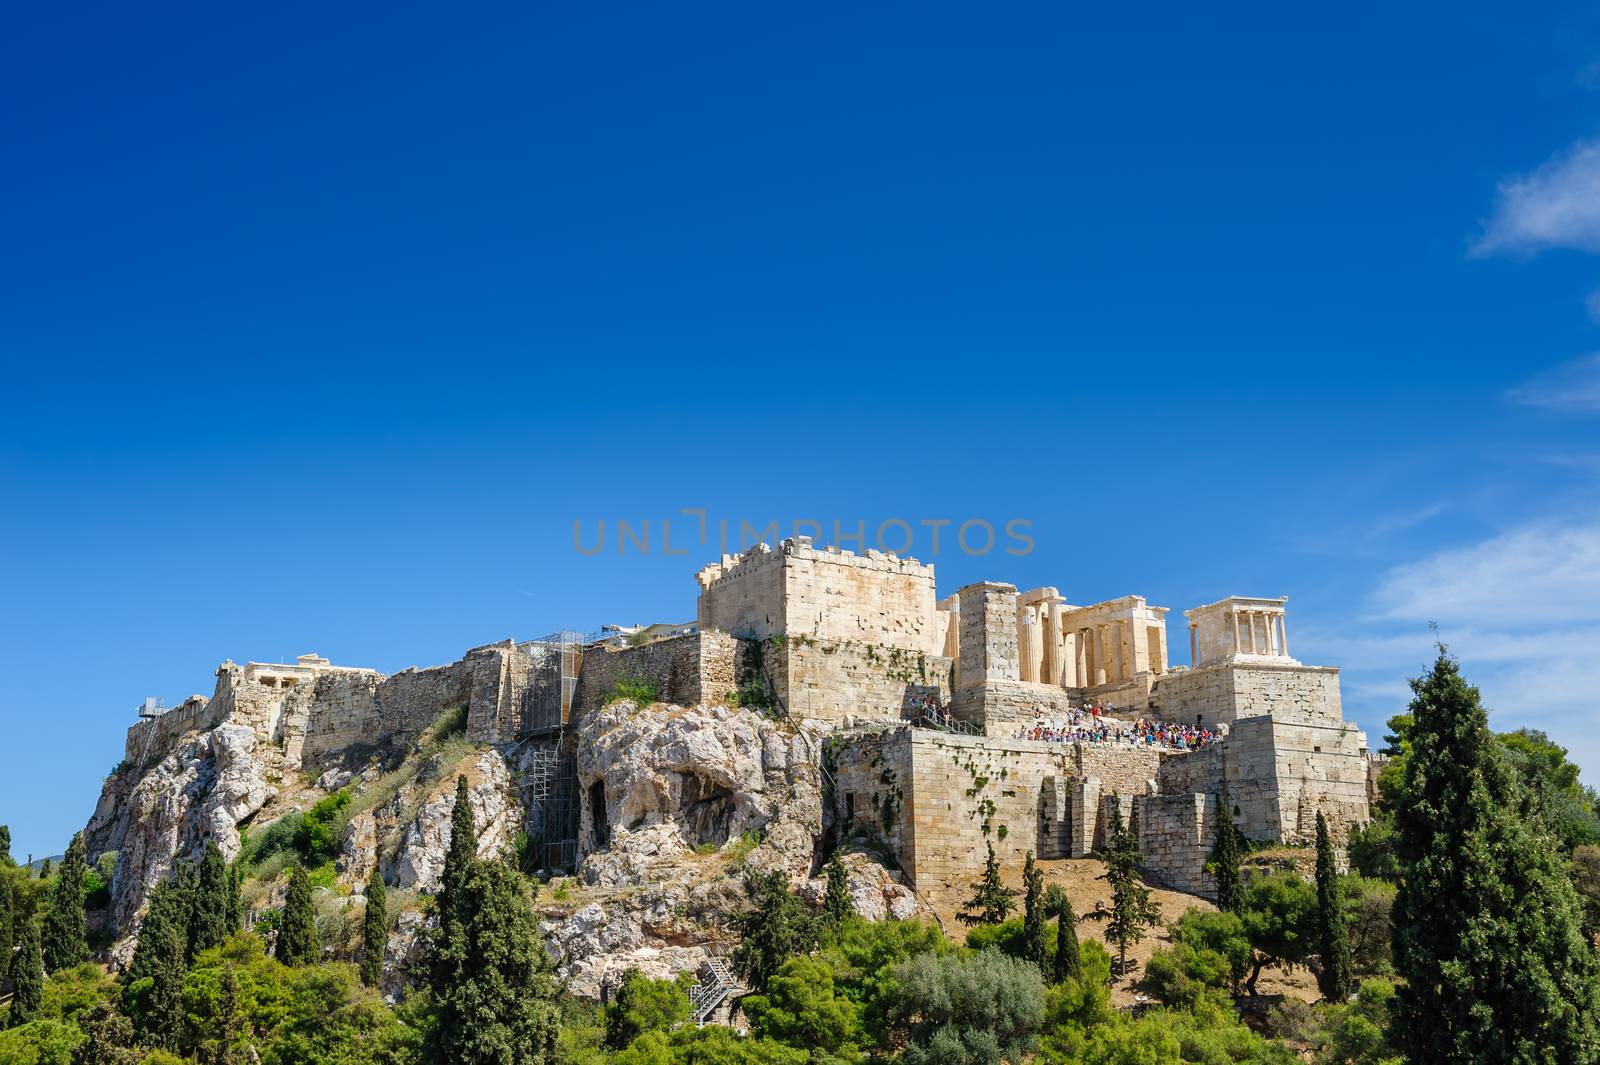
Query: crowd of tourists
<point x="1093" y="724"/>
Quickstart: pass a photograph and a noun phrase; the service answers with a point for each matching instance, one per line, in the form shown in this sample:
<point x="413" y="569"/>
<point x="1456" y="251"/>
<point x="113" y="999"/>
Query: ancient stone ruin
<point x="819" y="697"/>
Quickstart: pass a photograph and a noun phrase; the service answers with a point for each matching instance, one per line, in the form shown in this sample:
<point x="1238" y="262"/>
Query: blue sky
<point x="323" y="326"/>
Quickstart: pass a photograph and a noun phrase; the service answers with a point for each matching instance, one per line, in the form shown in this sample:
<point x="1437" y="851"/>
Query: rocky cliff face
<point x="679" y="805"/>
<point x="198" y="792"/>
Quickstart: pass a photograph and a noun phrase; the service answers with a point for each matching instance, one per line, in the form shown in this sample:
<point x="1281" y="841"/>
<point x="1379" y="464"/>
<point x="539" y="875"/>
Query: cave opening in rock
<point x="597" y="812"/>
<point x="707" y="810"/>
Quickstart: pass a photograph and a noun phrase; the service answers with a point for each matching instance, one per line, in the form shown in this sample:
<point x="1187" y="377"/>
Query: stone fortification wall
<point x="968" y="792"/>
<point x="1278" y="775"/>
<point x="1285" y="772"/>
<point x="832" y="680"/>
<point x="315" y="721"/>
<point x="1000" y="707"/>
<point x="1127" y="770"/>
<point x="157" y="735"/>
<point x="940" y="799"/>
<point x="411" y="700"/>
<point x="699" y="668"/>
<point x="1225" y="693"/>
<point x="870" y="773"/>
<point x="1175" y="836"/>
<point x="834" y="595"/>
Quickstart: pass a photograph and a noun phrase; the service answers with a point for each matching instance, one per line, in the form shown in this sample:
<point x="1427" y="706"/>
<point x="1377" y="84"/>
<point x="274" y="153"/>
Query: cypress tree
<point x="44" y="869"/>
<point x="225" y="1051"/>
<point x="1225" y="859"/>
<point x="8" y="926"/>
<point x="780" y="927"/>
<point x="836" y="904"/>
<point x="374" y="929"/>
<point x="65" y="935"/>
<point x="297" y="932"/>
<point x="5" y="846"/>
<point x="1068" y="960"/>
<point x="208" y="907"/>
<point x="154" y="991"/>
<point x="27" y="972"/>
<point x="446" y="956"/>
<point x="461" y="853"/>
<point x="1486" y="926"/>
<point x="1336" y="976"/>
<point x="990" y="902"/>
<point x="503" y="1007"/>
<point x="1132" y="912"/>
<point x="235" y="898"/>
<point x="1035" y="947"/>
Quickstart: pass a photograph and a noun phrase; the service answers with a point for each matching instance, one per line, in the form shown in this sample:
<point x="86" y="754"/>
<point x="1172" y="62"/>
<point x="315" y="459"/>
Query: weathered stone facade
<point x="702" y="668"/>
<point x="940" y="799"/>
<point x="1221" y="694"/>
<point x="797" y="590"/>
<point x="861" y="658"/>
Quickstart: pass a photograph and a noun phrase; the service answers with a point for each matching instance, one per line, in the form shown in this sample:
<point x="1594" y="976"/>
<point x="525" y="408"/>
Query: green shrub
<point x="275" y="838"/>
<point x="323" y="876"/>
<point x="96" y="890"/>
<point x="645" y="1005"/>
<point x="41" y="1042"/>
<point x="634" y="690"/>
<point x="317" y="836"/>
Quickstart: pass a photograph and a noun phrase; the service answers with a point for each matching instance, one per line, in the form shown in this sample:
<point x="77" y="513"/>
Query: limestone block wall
<point x="988" y="635"/>
<point x="1221" y="694"/>
<point x="871" y="772"/>
<point x="955" y="795"/>
<point x="1125" y="770"/>
<point x="940" y="798"/>
<point x="340" y="711"/>
<point x="697" y="668"/>
<point x="966" y="792"/>
<point x="158" y="734"/>
<point x="1175" y="836"/>
<point x="999" y="708"/>
<point x="1308" y="694"/>
<point x="409" y="701"/>
<point x="1300" y="770"/>
<point x="1130" y="696"/>
<point x="832" y="680"/>
<point x="796" y="589"/>
<point x="743" y="595"/>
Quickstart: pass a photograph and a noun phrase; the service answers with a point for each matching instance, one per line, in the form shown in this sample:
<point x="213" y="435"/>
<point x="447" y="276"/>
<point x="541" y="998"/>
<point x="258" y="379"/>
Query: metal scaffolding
<point x="558" y="659"/>
<point x="550" y="782"/>
<point x="549" y="777"/>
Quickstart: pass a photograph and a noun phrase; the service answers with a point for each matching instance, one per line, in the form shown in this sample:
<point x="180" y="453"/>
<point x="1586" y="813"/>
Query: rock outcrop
<point x="680" y="805"/>
<point x="198" y="792"/>
<point x="663" y="780"/>
<point x="424" y="841"/>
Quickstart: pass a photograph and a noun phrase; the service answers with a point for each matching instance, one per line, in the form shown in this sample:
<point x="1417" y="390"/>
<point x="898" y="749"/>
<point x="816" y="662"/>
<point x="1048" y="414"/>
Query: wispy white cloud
<point x="1409" y="519"/>
<point x="1538" y="574"/>
<point x="1522" y="611"/>
<point x="1554" y="206"/>
<point x="1572" y="386"/>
